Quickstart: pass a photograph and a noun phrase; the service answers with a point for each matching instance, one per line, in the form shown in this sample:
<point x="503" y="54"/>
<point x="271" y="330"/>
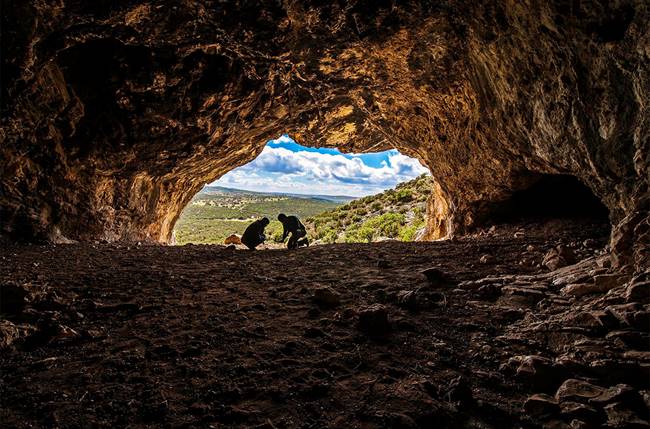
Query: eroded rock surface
<point x="114" y="115"/>
<point x="198" y="336"/>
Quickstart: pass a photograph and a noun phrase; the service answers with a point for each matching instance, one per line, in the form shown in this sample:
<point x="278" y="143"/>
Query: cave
<point x="551" y="196"/>
<point x="114" y="115"/>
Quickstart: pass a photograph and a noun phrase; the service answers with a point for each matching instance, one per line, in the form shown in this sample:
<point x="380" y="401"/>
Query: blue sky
<point x="285" y="166"/>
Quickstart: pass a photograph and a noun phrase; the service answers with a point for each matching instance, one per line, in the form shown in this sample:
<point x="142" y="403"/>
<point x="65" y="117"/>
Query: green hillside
<point x="394" y="214"/>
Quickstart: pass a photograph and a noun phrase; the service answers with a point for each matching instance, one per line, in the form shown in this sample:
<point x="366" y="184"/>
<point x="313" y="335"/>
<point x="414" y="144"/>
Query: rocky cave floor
<point x="474" y="332"/>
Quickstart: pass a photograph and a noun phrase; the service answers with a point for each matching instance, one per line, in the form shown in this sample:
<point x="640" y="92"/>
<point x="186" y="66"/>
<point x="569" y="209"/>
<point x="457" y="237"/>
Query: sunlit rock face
<point x="115" y="113"/>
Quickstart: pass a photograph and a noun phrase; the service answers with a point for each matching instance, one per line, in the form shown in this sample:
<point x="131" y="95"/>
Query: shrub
<point x="403" y="196"/>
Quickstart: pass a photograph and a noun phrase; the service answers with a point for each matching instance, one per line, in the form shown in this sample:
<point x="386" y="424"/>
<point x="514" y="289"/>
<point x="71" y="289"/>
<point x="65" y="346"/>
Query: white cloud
<point x="282" y="170"/>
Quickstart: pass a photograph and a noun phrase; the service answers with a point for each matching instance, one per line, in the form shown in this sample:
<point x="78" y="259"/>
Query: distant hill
<point x="216" y="190"/>
<point x="398" y="213"/>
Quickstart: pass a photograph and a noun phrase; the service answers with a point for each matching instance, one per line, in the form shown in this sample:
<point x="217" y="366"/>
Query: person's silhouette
<point x="292" y="225"/>
<point x="254" y="234"/>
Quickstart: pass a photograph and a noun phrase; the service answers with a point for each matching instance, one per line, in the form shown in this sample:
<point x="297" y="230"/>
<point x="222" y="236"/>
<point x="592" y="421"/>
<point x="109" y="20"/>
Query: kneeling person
<point x="254" y="234"/>
<point x="292" y="225"/>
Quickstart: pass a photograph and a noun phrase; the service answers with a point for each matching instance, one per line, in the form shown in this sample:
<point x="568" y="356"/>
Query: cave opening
<point x="552" y="196"/>
<point x="340" y="197"/>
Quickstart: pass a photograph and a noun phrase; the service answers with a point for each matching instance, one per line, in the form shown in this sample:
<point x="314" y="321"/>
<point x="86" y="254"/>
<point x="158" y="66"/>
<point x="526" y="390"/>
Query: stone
<point x="374" y="320"/>
<point x="606" y="282"/>
<point x="620" y="416"/>
<point x="637" y="340"/>
<point x="618" y="393"/>
<point x="502" y="120"/>
<point x="458" y="390"/>
<point x="12" y="298"/>
<point x="541" y="405"/>
<point x="437" y="277"/>
<point x="580" y="289"/>
<point x="326" y="296"/>
<point x="579" y="411"/>
<point x="233" y="239"/>
<point x="486" y="259"/>
<point x="638" y="292"/>
<point x="624" y="313"/>
<point x="10" y="333"/>
<point x="539" y="372"/>
<point x="558" y="257"/>
<point x="578" y="391"/>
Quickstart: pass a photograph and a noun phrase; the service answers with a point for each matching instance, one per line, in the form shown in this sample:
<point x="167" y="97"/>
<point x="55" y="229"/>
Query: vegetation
<point x="394" y="214"/>
<point x="399" y="214"/>
<point x="215" y="213"/>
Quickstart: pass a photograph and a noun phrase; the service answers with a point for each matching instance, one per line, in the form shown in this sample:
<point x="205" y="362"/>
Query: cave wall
<point x="115" y="114"/>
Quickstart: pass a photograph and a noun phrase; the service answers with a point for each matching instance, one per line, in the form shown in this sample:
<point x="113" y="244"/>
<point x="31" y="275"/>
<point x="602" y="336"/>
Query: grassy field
<point x="215" y="213"/>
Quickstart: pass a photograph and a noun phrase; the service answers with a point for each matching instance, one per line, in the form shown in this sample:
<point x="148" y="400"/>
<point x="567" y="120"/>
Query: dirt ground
<point x="207" y="336"/>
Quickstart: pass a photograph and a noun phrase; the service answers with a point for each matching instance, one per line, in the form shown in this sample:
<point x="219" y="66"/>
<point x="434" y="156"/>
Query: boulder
<point x="541" y="405"/>
<point x="606" y="282"/>
<point x="638" y="292"/>
<point x="578" y="391"/>
<point x="374" y="320"/>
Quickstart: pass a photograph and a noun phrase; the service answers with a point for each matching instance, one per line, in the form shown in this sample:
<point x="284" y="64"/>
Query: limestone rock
<point x="485" y="94"/>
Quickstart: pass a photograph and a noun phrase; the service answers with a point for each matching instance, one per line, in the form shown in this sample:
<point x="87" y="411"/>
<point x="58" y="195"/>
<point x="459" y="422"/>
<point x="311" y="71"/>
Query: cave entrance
<point x="340" y="197"/>
<point x="552" y="196"/>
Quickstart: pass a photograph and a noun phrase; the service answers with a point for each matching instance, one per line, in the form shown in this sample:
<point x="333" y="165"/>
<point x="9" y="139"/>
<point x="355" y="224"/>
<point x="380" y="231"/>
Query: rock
<point x="638" y="340"/>
<point x="486" y="259"/>
<point x="408" y="299"/>
<point x="521" y="296"/>
<point x="418" y="299"/>
<point x="8" y="333"/>
<point x="578" y="391"/>
<point x="580" y="289"/>
<point x="458" y="390"/>
<point x="233" y="239"/>
<point x="624" y="313"/>
<point x="606" y="282"/>
<point x="620" y="416"/>
<point x="374" y="320"/>
<point x="618" y="393"/>
<point x="541" y="405"/>
<point x="638" y="292"/>
<point x="579" y="411"/>
<point x="437" y="277"/>
<point x="12" y="298"/>
<point x="558" y="257"/>
<point x="326" y="296"/>
<point x="539" y="372"/>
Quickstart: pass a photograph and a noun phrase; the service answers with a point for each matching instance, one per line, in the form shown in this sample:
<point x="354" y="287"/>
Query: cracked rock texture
<point x="115" y="114"/>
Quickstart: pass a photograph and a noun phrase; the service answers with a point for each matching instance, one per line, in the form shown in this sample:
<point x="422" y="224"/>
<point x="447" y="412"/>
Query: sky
<point x="285" y="166"/>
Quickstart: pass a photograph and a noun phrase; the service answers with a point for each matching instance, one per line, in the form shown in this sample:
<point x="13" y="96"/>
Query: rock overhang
<point x="115" y="115"/>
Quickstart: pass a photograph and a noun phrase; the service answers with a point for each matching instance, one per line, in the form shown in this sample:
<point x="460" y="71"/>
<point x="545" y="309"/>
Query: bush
<point x="403" y="196"/>
<point x="386" y="225"/>
<point x="408" y="233"/>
